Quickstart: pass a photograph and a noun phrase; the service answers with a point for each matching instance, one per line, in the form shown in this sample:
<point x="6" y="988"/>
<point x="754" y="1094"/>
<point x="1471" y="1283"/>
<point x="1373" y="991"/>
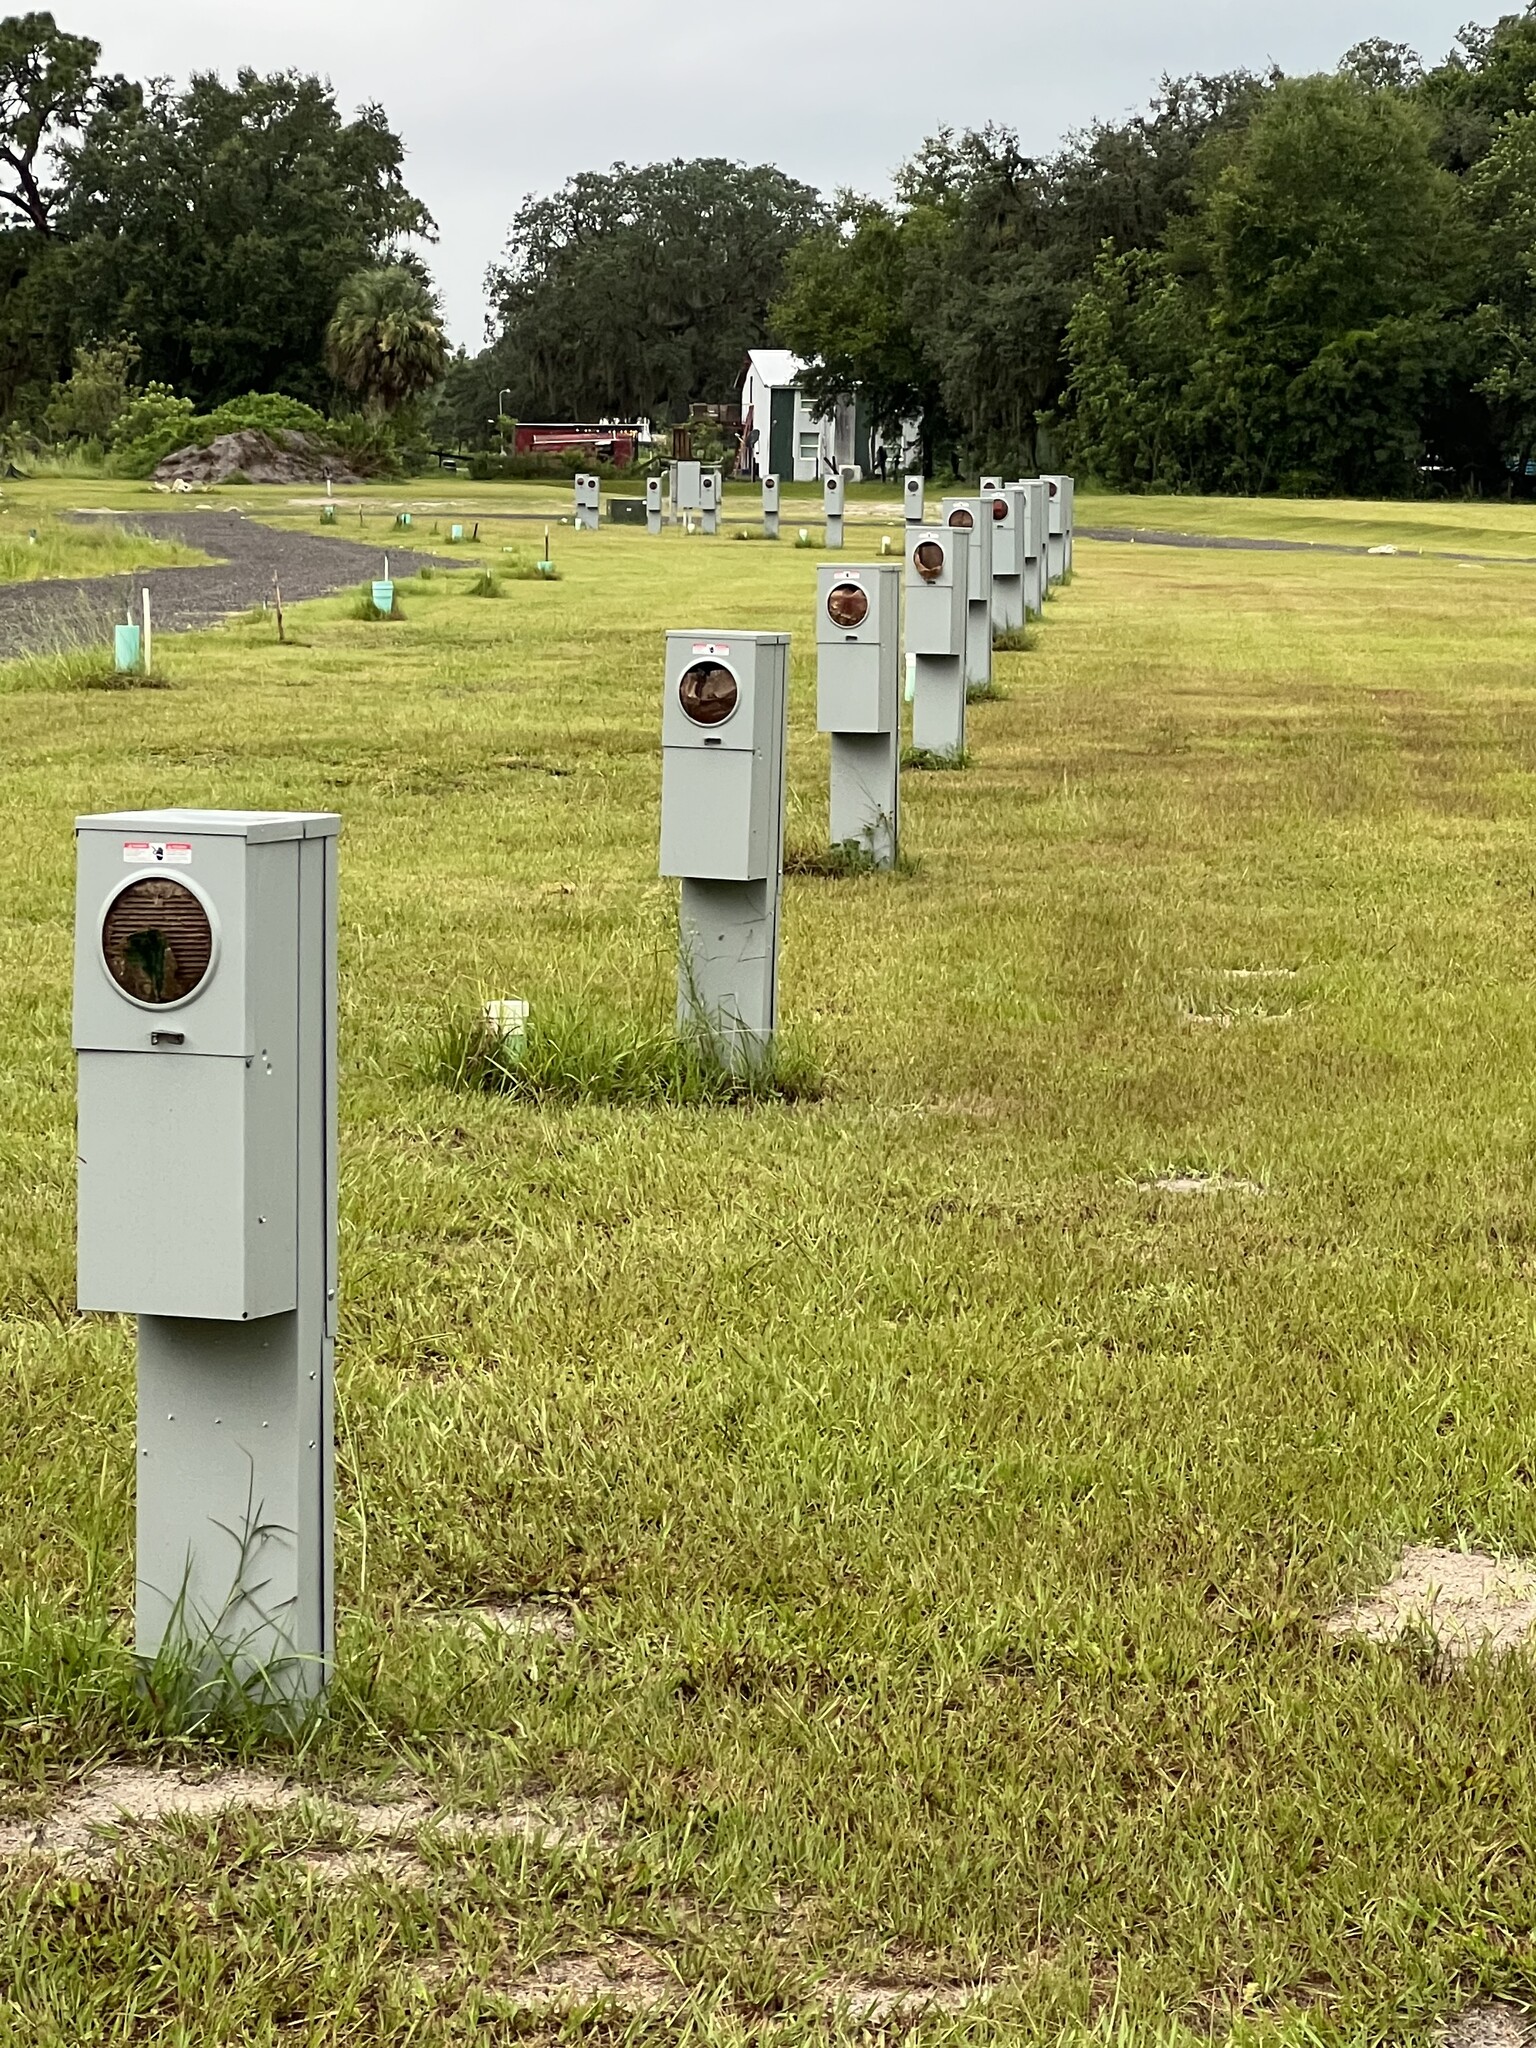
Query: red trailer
<point x="613" y="443"/>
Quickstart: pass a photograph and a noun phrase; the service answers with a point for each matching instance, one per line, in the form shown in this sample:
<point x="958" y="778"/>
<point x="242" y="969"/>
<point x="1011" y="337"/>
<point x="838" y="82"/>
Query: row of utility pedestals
<point x="205" y="1027"/>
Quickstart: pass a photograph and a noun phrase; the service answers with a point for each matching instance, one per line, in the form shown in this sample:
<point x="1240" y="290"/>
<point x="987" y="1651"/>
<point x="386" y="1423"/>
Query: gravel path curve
<point x="82" y="610"/>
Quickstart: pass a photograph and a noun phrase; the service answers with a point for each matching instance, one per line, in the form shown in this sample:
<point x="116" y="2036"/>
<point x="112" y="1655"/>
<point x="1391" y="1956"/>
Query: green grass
<point x="35" y="547"/>
<point x="943" y="1514"/>
<point x="577" y="1055"/>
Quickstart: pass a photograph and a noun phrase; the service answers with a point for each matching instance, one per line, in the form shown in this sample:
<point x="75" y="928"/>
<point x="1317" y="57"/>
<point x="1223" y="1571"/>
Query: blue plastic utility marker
<point x="127" y="647"/>
<point x="384" y="598"/>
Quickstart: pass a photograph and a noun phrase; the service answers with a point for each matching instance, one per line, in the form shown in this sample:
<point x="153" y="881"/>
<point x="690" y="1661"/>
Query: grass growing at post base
<point x="575" y="1055"/>
<point x="35" y="547"/>
<point x="942" y="1511"/>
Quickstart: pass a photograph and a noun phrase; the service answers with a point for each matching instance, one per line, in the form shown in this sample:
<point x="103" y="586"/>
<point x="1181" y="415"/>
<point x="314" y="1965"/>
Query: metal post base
<point x="938" y="704"/>
<point x="728" y="966"/>
<point x="978" y="643"/>
<point x="770" y="526"/>
<point x="834" y="530"/>
<point x="866" y="793"/>
<point x="653" y="522"/>
<point x="234" y="1500"/>
<point x="1007" y="604"/>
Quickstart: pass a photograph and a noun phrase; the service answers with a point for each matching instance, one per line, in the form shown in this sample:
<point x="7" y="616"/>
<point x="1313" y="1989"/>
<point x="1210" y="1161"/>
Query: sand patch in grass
<point x="1466" y="1600"/>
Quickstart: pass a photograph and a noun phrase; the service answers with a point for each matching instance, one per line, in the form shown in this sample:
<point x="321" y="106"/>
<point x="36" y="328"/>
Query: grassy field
<point x="36" y="545"/>
<point x="918" y="1524"/>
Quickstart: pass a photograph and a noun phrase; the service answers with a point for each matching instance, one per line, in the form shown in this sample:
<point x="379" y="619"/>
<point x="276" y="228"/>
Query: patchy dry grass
<point x="943" y="1480"/>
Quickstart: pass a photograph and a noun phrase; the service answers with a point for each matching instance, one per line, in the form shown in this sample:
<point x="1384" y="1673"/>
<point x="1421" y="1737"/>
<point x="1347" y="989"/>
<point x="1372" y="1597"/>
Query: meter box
<point x="834" y="495"/>
<point x="1009" y="603"/>
<point x="687" y="479"/>
<point x="653" y="505"/>
<point x="1058" y="500"/>
<point x="937" y="578"/>
<point x="858" y="687"/>
<point x="722" y="737"/>
<point x="205" y="1027"/>
<point x="186" y="1021"/>
<point x="974" y="516"/>
<point x="1035" y="544"/>
<point x="589" y="502"/>
<point x="914" y="500"/>
<point x="711" y="492"/>
<point x="771" y="505"/>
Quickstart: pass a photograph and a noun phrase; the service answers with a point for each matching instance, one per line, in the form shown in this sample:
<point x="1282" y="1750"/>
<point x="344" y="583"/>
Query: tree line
<point x="1261" y="282"/>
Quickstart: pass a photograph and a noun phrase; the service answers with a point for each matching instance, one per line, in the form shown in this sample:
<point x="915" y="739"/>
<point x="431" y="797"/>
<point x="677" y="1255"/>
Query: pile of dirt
<point x="256" y="458"/>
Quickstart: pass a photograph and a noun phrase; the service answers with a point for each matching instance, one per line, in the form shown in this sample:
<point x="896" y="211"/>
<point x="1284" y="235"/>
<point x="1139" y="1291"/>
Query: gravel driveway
<point x="82" y="610"/>
<point x="1154" y="537"/>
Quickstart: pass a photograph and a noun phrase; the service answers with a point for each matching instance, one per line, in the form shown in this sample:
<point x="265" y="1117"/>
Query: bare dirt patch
<point x="626" y="1975"/>
<point x="94" y="1818"/>
<point x="515" y="1618"/>
<point x="121" y="1806"/>
<point x="1466" y="1600"/>
<point x="1201" y="1184"/>
<point x="1490" y="2026"/>
<point x="900" y="2005"/>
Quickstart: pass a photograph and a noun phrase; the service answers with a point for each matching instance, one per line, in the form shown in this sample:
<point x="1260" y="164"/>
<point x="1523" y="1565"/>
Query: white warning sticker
<point x="711" y="647"/>
<point x="166" y="853"/>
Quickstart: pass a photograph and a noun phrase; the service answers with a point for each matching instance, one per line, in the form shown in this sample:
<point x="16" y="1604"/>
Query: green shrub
<point x="486" y="584"/>
<point x="153" y="426"/>
<point x="266" y="412"/>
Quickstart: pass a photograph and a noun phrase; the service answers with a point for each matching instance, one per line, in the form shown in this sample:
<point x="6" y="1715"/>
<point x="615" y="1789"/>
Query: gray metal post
<point x="1069" y="518"/>
<point x="711" y="489"/>
<point x="771" y="498"/>
<point x="833" y="503"/>
<point x="937" y="580"/>
<point x="589" y="503"/>
<point x="724" y="726"/>
<point x="858" y="701"/>
<point x="205" y="1022"/>
<point x="913" y="500"/>
<point x="653" y="504"/>
<point x="975" y="516"/>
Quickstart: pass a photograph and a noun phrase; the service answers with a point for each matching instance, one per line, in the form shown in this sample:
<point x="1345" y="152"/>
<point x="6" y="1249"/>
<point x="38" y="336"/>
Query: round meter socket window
<point x="999" y="508"/>
<point x="1053" y="490"/>
<point x="708" y="693"/>
<point x="847" y="606"/>
<point x="157" y="941"/>
<point x="928" y="560"/>
<point x="961" y="518"/>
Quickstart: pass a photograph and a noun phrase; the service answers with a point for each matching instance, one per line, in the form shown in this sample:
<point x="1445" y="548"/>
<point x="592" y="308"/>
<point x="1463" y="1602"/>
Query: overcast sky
<point x="497" y="98"/>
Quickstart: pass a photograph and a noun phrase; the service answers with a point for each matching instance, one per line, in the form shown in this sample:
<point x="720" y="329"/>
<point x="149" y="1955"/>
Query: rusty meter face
<point x="708" y="693"/>
<point x="157" y="941"/>
<point x="847" y="606"/>
<point x="961" y="518"/>
<point x="999" y="508"/>
<point x="928" y="560"/>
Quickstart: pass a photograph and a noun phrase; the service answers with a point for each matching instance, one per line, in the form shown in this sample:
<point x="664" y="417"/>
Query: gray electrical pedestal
<point x="937" y="581"/>
<point x="711" y="491"/>
<point x="913" y="500"/>
<point x="205" y="1023"/>
<point x="1035" y="523"/>
<point x="771" y="496"/>
<point x="1056" y="526"/>
<point x="974" y="515"/>
<point x="1008" y="608"/>
<point x="723" y="728"/>
<point x="1069" y="517"/>
<point x="833" y="504"/>
<point x="653" y="504"/>
<point x="685" y="484"/>
<point x="858" y="701"/>
<point x="589" y="503"/>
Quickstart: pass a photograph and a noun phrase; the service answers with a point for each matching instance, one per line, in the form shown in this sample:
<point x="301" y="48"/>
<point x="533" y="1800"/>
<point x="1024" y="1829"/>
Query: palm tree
<point x="385" y="342"/>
